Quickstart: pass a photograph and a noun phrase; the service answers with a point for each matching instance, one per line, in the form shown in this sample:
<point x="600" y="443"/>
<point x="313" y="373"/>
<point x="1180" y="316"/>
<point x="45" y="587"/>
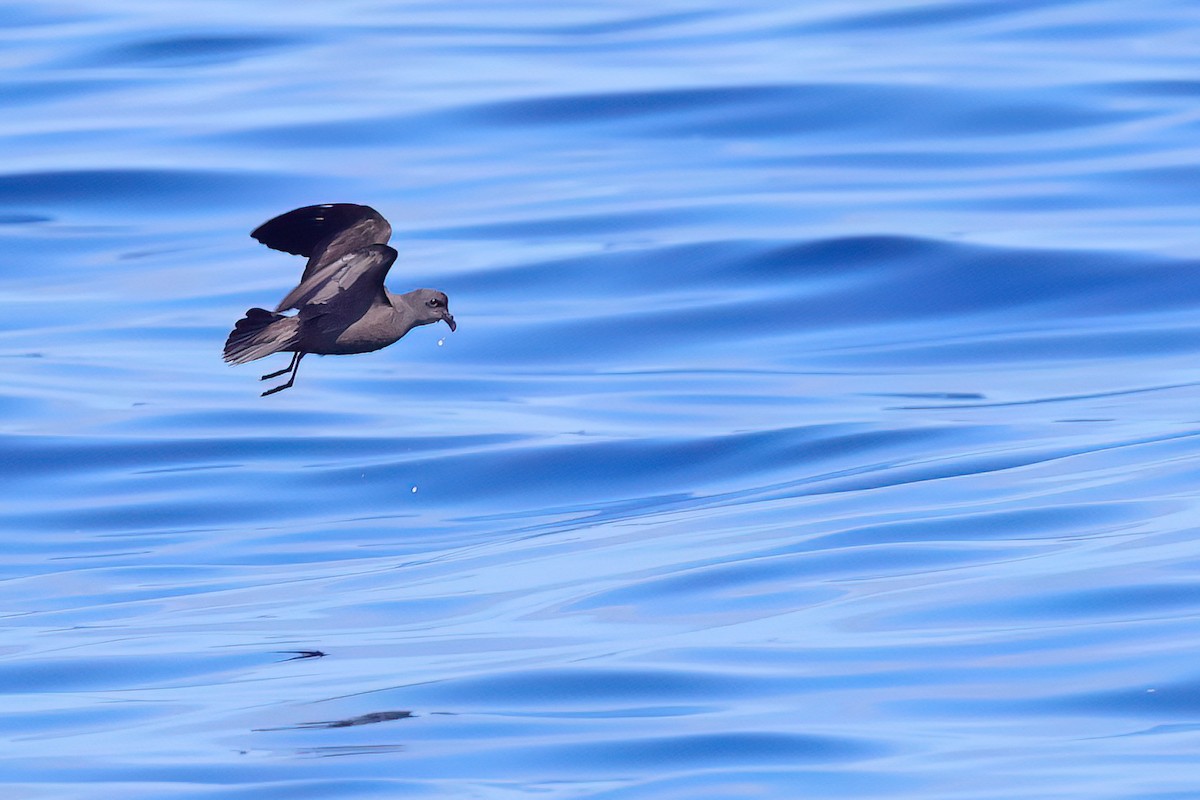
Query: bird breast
<point x="380" y="326"/>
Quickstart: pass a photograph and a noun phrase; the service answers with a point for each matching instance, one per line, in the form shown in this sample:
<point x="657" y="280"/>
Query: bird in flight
<point x="341" y="304"/>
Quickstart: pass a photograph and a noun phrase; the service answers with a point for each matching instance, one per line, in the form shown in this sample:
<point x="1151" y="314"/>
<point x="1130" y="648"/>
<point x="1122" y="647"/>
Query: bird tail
<point x="260" y="333"/>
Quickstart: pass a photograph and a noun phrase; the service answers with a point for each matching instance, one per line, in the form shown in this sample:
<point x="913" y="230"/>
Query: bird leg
<point x="295" y="368"/>
<point x="288" y="368"/>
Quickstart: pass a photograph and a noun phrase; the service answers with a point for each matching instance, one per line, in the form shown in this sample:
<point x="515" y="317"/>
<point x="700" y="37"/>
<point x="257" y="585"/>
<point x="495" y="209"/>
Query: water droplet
<point x="414" y="490"/>
<point x="441" y="342"/>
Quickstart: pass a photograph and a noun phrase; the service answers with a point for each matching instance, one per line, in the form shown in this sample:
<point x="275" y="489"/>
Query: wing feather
<point x="354" y="278"/>
<point x="302" y="232"/>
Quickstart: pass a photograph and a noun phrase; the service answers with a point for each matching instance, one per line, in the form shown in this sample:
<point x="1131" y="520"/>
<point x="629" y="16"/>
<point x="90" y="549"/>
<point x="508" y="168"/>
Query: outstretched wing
<point x="354" y="279"/>
<point x="324" y="233"/>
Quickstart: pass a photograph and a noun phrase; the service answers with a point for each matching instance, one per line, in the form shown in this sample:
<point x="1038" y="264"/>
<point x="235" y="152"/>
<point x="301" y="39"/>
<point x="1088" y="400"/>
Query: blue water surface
<point x="821" y="420"/>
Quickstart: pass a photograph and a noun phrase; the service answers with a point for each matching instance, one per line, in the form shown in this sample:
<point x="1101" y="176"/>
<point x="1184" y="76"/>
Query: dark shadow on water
<point x="373" y="718"/>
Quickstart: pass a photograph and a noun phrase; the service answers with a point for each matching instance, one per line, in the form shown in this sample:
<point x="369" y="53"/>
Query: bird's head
<point x="432" y="306"/>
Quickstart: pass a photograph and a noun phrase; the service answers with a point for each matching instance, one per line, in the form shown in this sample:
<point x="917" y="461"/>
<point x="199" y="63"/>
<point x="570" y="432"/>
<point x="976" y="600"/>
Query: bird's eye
<point x="434" y="303"/>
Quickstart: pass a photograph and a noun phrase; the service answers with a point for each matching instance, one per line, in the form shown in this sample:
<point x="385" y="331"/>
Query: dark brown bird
<point x="341" y="304"/>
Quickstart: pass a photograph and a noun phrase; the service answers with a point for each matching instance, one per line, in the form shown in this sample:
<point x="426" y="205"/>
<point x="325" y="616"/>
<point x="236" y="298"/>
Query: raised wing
<point x="353" y="278"/>
<point x="324" y="233"/>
